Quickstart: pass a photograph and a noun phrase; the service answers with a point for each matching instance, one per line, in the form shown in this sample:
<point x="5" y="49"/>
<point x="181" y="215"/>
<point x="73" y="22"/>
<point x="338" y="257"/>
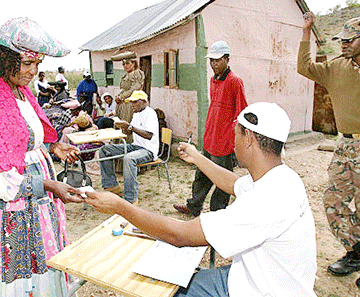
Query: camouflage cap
<point x="350" y="30"/>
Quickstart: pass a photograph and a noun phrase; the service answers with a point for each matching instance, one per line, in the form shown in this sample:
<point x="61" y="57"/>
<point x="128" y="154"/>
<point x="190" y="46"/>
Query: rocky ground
<point x="302" y="155"/>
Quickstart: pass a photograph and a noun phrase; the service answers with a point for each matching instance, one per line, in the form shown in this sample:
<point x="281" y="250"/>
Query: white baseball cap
<point x="218" y="49"/>
<point x="272" y="120"/>
<point x="87" y="73"/>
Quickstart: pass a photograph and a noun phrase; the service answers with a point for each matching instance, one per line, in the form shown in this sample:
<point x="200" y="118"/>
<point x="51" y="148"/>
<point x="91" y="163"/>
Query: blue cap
<point x="218" y="49"/>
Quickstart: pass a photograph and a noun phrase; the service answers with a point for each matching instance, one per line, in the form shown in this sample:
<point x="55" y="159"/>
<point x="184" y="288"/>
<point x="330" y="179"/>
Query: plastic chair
<point x="166" y="137"/>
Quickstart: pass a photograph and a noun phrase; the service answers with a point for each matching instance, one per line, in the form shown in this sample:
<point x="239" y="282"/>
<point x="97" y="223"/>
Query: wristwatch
<point x="130" y="128"/>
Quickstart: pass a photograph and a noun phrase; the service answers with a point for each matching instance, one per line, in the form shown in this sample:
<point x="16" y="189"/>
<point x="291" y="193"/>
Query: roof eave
<point x="185" y="21"/>
<point x="304" y="8"/>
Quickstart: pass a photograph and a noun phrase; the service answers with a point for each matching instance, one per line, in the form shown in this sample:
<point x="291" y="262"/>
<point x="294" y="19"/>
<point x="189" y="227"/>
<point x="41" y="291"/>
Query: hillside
<point x="331" y="24"/>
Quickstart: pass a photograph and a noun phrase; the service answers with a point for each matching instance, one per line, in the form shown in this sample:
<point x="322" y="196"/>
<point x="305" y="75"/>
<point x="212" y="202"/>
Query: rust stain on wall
<point x="277" y="78"/>
<point x="278" y="43"/>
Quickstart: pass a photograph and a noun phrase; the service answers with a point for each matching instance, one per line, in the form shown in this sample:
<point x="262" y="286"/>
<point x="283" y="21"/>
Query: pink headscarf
<point x="14" y="134"/>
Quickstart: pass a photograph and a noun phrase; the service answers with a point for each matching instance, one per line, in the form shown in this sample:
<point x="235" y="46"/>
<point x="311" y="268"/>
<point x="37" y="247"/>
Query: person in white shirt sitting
<point x="109" y="104"/>
<point x="145" y="146"/>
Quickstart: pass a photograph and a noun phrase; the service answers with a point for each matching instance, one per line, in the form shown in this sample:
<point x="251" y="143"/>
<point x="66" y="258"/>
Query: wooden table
<point x="98" y="136"/>
<point x="107" y="260"/>
<point x="95" y="135"/>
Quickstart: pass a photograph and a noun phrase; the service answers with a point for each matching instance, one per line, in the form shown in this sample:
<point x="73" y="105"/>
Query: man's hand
<point x="188" y="152"/>
<point x="63" y="191"/>
<point x="309" y="20"/>
<point x="105" y="202"/>
<point x="118" y="100"/>
<point x="65" y="151"/>
<point x="122" y="125"/>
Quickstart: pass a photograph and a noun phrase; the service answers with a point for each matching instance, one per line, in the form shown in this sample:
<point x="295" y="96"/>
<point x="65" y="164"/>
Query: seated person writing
<point x="145" y="129"/>
<point x="268" y="230"/>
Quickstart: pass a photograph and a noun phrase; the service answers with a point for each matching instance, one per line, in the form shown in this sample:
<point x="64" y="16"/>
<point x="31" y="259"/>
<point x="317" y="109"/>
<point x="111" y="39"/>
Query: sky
<point x="75" y="22"/>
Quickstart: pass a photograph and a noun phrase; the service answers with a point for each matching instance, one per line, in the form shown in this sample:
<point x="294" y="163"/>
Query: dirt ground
<point x="309" y="162"/>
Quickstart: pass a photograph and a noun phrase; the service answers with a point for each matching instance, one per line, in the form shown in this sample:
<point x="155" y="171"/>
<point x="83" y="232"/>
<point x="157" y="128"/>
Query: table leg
<point x="75" y="287"/>
<point x="212" y="257"/>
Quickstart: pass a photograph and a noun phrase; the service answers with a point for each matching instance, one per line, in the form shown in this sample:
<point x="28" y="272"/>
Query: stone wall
<point x="323" y="114"/>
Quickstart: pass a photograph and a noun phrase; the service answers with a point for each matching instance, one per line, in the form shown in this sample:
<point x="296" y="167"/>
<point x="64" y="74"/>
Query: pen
<point x="189" y="140"/>
<point x="124" y="224"/>
<point x="108" y="221"/>
<point x="140" y="235"/>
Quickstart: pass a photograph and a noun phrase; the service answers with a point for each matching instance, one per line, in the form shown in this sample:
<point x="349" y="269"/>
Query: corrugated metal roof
<point x="144" y="23"/>
<point x="150" y="21"/>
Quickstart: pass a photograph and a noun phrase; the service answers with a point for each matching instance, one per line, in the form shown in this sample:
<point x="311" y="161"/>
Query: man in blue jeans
<point x="268" y="231"/>
<point x="144" y="148"/>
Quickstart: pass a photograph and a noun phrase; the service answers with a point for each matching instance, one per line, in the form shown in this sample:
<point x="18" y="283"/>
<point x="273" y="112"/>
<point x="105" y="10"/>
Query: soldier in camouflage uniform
<point x="341" y="77"/>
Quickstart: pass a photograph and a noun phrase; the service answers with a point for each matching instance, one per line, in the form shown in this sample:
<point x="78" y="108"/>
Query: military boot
<point x="347" y="264"/>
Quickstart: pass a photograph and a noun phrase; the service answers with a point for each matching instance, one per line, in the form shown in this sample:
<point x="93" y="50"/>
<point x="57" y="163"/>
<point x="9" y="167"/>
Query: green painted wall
<point x="202" y="88"/>
<point x="99" y="77"/>
<point x="187" y="77"/>
<point x="157" y="75"/>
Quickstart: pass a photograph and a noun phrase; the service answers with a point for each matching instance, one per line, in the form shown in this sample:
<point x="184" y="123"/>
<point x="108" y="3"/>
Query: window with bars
<point x="109" y="73"/>
<point x="170" y="68"/>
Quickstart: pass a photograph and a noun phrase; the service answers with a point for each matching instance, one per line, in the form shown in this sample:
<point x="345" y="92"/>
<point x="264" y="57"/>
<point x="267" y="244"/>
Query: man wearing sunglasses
<point x="341" y="77"/>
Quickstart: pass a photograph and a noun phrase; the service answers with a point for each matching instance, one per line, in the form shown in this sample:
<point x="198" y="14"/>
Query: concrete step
<point x="310" y="138"/>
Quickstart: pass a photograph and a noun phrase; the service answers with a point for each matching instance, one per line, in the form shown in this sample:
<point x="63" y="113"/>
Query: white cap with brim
<point x="272" y="120"/>
<point x="137" y="95"/>
<point x="87" y="73"/>
<point x="106" y="94"/>
<point x="218" y="49"/>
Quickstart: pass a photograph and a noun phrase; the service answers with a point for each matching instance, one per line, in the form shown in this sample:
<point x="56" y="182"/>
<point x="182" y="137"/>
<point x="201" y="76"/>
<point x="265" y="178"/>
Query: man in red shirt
<point x="227" y="100"/>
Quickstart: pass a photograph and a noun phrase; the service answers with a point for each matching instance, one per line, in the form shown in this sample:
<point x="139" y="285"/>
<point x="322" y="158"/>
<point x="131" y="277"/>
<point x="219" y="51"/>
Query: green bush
<point x="352" y="3"/>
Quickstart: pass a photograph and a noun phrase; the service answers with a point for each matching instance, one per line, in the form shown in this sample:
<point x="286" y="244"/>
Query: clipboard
<point x="95" y="135"/>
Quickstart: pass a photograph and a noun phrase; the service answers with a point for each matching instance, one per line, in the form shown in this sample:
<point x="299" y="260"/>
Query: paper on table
<point x="169" y="263"/>
<point x="95" y="136"/>
<point x="116" y="119"/>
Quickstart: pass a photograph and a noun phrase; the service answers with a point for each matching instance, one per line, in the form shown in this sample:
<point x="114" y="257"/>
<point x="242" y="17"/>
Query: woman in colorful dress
<point x="32" y="214"/>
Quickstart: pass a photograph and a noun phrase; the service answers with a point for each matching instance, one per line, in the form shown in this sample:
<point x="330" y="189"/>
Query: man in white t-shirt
<point x="268" y="230"/>
<point x="145" y="129"/>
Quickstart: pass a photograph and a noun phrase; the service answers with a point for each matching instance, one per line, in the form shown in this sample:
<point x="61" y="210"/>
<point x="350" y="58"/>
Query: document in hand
<point x="169" y="263"/>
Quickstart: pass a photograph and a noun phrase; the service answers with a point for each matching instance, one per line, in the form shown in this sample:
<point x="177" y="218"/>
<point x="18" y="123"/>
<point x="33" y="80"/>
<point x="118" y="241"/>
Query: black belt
<point x="348" y="135"/>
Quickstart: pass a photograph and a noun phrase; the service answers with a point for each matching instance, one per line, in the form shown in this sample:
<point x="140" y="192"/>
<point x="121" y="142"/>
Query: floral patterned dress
<point x="33" y="223"/>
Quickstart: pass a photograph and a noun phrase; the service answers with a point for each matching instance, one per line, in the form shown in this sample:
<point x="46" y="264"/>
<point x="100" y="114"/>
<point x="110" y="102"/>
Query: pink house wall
<point x="179" y="106"/>
<point x="264" y="38"/>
